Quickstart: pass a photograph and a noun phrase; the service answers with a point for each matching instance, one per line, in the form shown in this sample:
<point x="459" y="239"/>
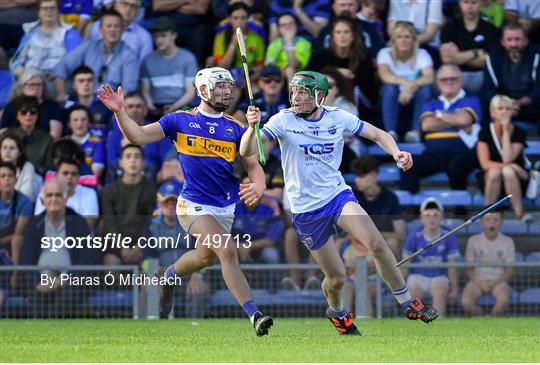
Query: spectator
<point x="260" y="230"/>
<point x="380" y="203"/>
<point x="167" y="74"/>
<point x="166" y="225"/>
<point x="500" y="153"/>
<point x="513" y="69"/>
<point x="440" y="283"/>
<point x="84" y="93"/>
<point x="489" y="246"/>
<point x="79" y="118"/>
<point x="15" y="211"/>
<point x="426" y="18"/>
<point x="68" y="149"/>
<point x="370" y="12"/>
<point x="369" y="35"/>
<point x="57" y="221"/>
<point x="466" y="41"/>
<point x="289" y="52"/>
<point x="45" y="41"/>
<point x="51" y="116"/>
<point x="349" y="56"/>
<point x="313" y="16"/>
<point x="226" y="52"/>
<point x="127" y="205"/>
<point x="257" y="8"/>
<point x="526" y="13"/>
<point x="492" y="11"/>
<point x="110" y="58"/>
<point x="12" y="151"/>
<point x="77" y="13"/>
<point x="83" y="200"/>
<point x="193" y="24"/>
<point x="406" y="73"/>
<point x="133" y="34"/>
<point x="451" y="124"/>
<point x="37" y="143"/>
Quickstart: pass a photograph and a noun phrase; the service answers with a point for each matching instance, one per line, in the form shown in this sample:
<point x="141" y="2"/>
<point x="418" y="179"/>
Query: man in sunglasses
<point x="451" y="127"/>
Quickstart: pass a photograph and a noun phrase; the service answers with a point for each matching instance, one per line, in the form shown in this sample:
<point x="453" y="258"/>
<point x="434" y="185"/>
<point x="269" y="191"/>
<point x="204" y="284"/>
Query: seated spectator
<point x="37" y="143"/>
<point x="110" y="58"/>
<point x="313" y="16"/>
<point x="466" y="41"/>
<point x="79" y="118"/>
<point x="500" y="153"/>
<point x="15" y="211"/>
<point x="133" y="34"/>
<point x="513" y="69"/>
<point x="12" y="151"/>
<point x="193" y="24"/>
<point x="260" y="230"/>
<point x="489" y="246"/>
<point x="83" y="200"/>
<point x="155" y="153"/>
<point x="406" y="73"/>
<point x="45" y="41"/>
<point x="165" y="224"/>
<point x="379" y="202"/>
<point x="226" y="52"/>
<point x="370" y="12"/>
<point x="526" y="13"/>
<point x="368" y="32"/>
<point x="440" y="283"/>
<point x="257" y="8"/>
<point x="289" y="52"/>
<point x="451" y="124"/>
<point x="492" y="11"/>
<point x="127" y="206"/>
<point x="167" y="73"/>
<point x="77" y="13"/>
<point x="348" y="54"/>
<point x="68" y="149"/>
<point x="51" y="115"/>
<point x="84" y="93"/>
<point x="57" y="221"/>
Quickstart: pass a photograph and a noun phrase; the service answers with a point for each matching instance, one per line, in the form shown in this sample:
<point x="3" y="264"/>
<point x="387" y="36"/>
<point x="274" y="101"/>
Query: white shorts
<point x="425" y="282"/>
<point x="188" y="211"/>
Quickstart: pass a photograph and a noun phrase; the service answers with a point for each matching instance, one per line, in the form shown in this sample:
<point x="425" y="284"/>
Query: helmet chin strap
<point x="305" y="115"/>
<point x="218" y="107"/>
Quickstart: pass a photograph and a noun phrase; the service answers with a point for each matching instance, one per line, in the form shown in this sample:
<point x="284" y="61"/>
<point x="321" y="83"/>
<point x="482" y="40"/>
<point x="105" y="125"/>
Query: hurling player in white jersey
<point x="310" y="136"/>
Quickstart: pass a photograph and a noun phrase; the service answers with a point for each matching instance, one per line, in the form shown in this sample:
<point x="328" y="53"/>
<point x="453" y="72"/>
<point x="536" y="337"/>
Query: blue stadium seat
<point x="519" y="257"/>
<point x="111" y="298"/>
<point x="389" y="174"/>
<point x="530" y="128"/>
<point x="514" y="226"/>
<point x="308" y="297"/>
<point x="440" y="177"/>
<point x="530" y="296"/>
<point x="15" y="302"/>
<point x="446" y="197"/>
<point x="533" y="148"/>
<point x="488" y="300"/>
<point x="533" y="257"/>
<point x="224" y="297"/>
<point x="478" y="200"/>
<point x="534" y="228"/>
<point x="404" y="197"/>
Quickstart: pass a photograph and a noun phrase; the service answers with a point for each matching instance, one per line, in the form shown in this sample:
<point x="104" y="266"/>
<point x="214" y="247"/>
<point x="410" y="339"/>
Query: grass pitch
<point x="290" y="340"/>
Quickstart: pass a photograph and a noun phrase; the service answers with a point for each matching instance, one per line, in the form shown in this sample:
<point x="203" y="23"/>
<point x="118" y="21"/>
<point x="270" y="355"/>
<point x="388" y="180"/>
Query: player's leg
<point x="470" y="295"/>
<point x="354" y="220"/>
<point x="438" y="289"/>
<point x="501" y="293"/>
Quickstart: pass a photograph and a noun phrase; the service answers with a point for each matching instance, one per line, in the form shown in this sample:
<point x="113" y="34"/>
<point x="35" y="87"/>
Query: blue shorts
<point x="316" y="227"/>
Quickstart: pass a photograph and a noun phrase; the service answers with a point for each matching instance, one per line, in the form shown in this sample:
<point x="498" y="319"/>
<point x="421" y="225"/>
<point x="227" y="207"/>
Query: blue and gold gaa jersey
<point x="207" y="145"/>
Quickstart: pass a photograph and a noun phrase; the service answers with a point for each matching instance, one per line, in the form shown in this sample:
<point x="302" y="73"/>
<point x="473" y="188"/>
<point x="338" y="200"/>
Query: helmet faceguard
<point x="210" y="78"/>
<point x="313" y="83"/>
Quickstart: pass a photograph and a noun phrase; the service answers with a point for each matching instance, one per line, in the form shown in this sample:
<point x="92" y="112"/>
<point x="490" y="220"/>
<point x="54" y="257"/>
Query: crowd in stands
<point x="461" y="77"/>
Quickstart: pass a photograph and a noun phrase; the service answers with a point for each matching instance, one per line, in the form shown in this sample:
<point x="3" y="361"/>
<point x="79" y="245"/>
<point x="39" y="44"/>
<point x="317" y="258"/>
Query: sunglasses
<point x="102" y="72"/>
<point x="449" y="79"/>
<point x="268" y="80"/>
<point x="25" y="111"/>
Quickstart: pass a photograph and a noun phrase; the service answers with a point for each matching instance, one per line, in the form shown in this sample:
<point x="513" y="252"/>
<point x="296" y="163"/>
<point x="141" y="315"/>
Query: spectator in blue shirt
<point x="440" y="283"/>
<point x="113" y="61"/>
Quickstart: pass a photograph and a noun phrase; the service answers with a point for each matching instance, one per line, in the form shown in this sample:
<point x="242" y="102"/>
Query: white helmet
<point x="210" y="77"/>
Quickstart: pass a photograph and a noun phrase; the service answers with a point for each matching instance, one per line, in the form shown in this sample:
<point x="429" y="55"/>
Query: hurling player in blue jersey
<point x="207" y="141"/>
<point x="310" y="136"/>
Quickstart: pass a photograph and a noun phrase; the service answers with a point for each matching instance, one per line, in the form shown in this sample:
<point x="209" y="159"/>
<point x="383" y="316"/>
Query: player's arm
<point x="248" y="144"/>
<point x="250" y="193"/>
<point x="135" y="133"/>
<point x="388" y="144"/>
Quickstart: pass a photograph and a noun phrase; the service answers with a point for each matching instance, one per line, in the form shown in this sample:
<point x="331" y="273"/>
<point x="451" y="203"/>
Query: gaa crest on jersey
<point x="332" y="130"/>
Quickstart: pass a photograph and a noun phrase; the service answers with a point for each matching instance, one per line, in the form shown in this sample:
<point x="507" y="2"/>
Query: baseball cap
<point x="431" y="200"/>
<point x="169" y="189"/>
<point x="270" y="69"/>
<point x="163" y="24"/>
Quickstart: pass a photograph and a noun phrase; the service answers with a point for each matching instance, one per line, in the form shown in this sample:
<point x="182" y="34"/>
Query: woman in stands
<point x="12" y="150"/>
<point x="500" y="153"/>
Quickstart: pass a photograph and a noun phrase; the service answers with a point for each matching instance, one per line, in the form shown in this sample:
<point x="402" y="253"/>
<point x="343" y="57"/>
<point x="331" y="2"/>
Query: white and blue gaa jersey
<point x="311" y="152"/>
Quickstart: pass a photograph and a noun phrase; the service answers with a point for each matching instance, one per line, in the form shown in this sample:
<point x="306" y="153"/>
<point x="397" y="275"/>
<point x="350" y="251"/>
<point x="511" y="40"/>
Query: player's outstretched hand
<point x="114" y="101"/>
<point x="404" y="160"/>
<point x="253" y="116"/>
<point x="251" y="193"/>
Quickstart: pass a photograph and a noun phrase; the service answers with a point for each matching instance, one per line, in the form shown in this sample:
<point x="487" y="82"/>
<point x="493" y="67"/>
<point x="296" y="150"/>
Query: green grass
<point x="290" y="340"/>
